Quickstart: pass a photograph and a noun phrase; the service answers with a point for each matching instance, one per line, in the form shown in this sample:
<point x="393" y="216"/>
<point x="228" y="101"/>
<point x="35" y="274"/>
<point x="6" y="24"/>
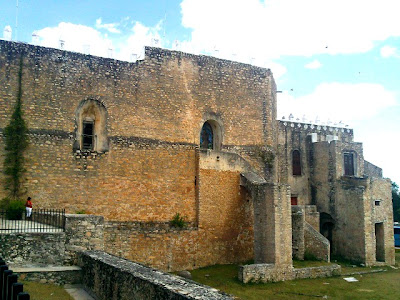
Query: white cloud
<point x="76" y="38"/>
<point x="80" y="38"/>
<point x="315" y="64"/>
<point x="111" y="27"/>
<point x="349" y="102"/>
<point x="388" y="51"/>
<point x="141" y="36"/>
<point x="7" y="33"/>
<point x="275" y="28"/>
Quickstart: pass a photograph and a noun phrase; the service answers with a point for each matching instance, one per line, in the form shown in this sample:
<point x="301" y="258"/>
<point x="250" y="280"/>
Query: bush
<point x="15" y="210"/>
<point x="178" y="221"/>
<point x="4" y="203"/>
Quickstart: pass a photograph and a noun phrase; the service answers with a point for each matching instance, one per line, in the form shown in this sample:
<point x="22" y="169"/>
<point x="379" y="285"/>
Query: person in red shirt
<point x="28" y="206"/>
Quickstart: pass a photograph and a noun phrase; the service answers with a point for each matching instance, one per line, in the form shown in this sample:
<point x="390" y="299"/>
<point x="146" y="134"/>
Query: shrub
<point x="15" y="210"/>
<point x="81" y="212"/>
<point x="178" y="221"/>
<point x="4" y="203"/>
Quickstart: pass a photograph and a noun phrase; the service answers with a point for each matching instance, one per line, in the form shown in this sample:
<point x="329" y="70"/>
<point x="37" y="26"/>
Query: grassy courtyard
<point x="382" y="285"/>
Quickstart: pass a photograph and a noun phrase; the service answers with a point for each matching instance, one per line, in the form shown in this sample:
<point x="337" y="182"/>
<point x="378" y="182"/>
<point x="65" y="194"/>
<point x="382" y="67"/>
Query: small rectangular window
<point x="348" y="164"/>
<point x="88" y="135"/>
<point x="377" y="202"/>
<point x="293" y="200"/>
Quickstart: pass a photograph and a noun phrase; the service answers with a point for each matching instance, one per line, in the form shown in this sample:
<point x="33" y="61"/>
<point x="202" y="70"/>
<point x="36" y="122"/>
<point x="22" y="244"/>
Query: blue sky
<point x="332" y="60"/>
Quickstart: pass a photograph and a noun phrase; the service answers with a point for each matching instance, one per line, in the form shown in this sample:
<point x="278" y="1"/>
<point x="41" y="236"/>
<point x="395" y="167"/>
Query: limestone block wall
<point x="21" y="249"/>
<point x="155" y="109"/>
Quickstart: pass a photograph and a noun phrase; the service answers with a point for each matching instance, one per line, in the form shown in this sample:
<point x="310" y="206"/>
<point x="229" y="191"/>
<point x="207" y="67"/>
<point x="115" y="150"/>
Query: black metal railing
<point x="10" y="288"/>
<point x="41" y="220"/>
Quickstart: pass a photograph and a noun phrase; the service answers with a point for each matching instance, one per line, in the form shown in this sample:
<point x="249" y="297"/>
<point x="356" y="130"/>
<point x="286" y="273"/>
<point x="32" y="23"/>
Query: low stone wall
<point x="110" y="277"/>
<point x="33" y="248"/>
<point x="316" y="244"/>
<point x="317" y="272"/>
<point x="264" y="273"/>
<point x="269" y="273"/>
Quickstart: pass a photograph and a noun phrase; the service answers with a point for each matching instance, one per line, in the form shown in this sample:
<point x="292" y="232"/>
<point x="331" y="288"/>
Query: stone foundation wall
<point x="33" y="248"/>
<point x="110" y="277"/>
<point x="82" y="232"/>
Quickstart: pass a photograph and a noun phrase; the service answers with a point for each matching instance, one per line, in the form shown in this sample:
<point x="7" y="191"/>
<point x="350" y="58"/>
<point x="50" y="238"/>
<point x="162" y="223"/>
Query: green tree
<point x="396" y="202"/>
<point x="16" y="141"/>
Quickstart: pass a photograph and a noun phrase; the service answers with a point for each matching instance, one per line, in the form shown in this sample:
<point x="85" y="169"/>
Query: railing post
<point x="2" y="269"/>
<point x="6" y="273"/>
<point x="23" y="296"/>
<point x="16" y="289"/>
<point x="11" y="279"/>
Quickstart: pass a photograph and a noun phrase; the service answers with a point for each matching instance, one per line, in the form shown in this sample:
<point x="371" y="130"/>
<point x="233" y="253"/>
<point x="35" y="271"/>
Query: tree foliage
<point x="396" y="202"/>
<point x="16" y="141"/>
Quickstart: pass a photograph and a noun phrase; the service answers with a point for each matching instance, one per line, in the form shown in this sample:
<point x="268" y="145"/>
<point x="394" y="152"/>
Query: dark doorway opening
<point x="380" y="242"/>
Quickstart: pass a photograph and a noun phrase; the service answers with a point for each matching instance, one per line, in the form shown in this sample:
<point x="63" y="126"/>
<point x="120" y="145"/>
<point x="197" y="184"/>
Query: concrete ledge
<point x="110" y="277"/>
<point x="51" y="274"/>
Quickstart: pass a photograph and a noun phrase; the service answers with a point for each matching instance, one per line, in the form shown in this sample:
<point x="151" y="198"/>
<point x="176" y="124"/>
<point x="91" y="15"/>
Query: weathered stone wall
<point x="379" y="206"/>
<point x="224" y="233"/>
<point x="317" y="272"/>
<point x="82" y="232"/>
<point x="298" y="243"/>
<point x="371" y="170"/>
<point x="155" y="111"/>
<point x="110" y="277"/>
<point x="316" y="245"/>
<point x="262" y="273"/>
<point x="33" y="248"/>
<point x="295" y="135"/>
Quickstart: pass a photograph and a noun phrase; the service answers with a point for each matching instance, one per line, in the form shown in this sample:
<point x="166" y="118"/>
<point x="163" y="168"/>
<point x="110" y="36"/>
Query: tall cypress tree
<point x="16" y="141"/>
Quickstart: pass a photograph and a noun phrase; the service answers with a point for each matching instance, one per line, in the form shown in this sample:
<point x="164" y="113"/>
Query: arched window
<point x="296" y="162"/>
<point x="91" y="117"/>
<point x="211" y="135"/>
<point x="207" y="137"/>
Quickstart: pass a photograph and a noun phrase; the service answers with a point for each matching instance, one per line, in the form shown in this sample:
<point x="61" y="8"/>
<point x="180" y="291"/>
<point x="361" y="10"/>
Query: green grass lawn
<point x="41" y="291"/>
<point x="383" y="285"/>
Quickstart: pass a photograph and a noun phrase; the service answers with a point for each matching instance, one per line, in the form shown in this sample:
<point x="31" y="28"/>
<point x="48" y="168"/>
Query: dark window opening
<point x="206" y="137"/>
<point x="296" y="162"/>
<point x="88" y="135"/>
<point x="293" y="200"/>
<point x="348" y="164"/>
<point x="377" y="202"/>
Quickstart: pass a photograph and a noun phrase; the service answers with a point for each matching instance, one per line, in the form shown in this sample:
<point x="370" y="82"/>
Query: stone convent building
<point x="174" y="133"/>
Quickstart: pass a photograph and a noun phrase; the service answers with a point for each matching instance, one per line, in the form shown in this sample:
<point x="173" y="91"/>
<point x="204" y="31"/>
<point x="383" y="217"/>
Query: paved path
<point x="77" y="292"/>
